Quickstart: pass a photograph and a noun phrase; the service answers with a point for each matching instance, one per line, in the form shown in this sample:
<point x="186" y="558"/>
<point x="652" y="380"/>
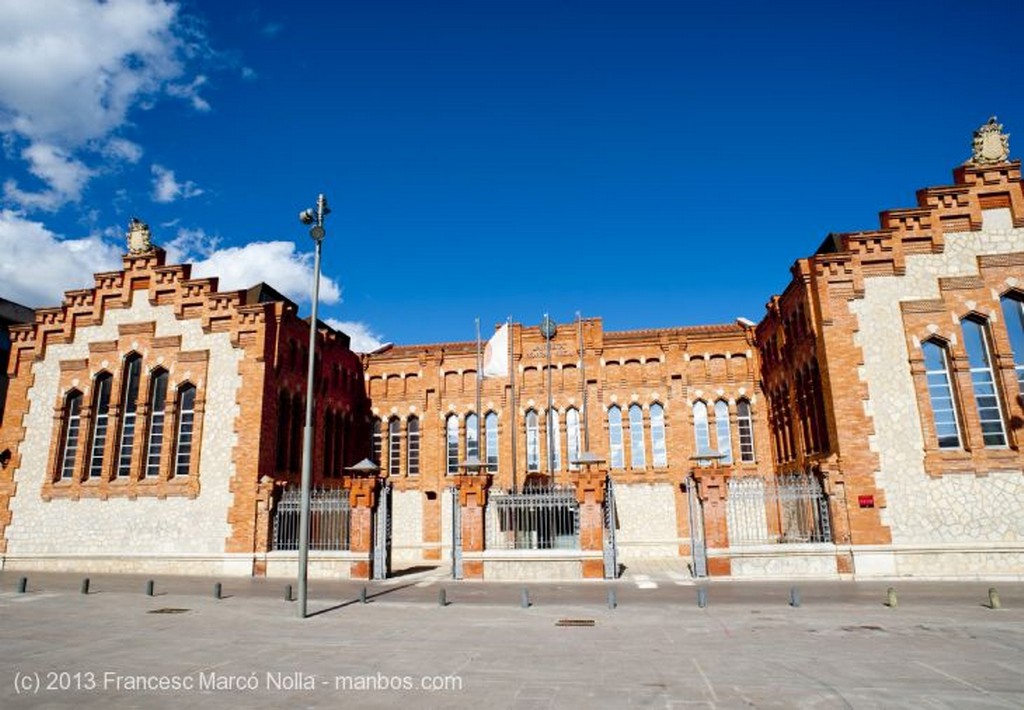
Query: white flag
<point x="496" y="354"/>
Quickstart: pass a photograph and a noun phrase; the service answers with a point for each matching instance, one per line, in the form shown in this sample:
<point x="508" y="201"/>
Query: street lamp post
<point x="314" y="217"/>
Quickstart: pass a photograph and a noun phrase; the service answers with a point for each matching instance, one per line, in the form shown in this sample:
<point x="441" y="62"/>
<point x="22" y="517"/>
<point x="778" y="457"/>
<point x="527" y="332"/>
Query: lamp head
<point x="307" y="216"/>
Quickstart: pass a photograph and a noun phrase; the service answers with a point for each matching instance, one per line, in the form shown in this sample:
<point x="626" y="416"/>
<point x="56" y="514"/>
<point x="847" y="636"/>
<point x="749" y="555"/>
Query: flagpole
<point x="512" y="396"/>
<point x="551" y="457"/>
<point x="479" y="384"/>
<point x="583" y="382"/>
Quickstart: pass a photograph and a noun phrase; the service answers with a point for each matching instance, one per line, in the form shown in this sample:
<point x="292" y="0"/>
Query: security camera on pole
<point x="316" y="218"/>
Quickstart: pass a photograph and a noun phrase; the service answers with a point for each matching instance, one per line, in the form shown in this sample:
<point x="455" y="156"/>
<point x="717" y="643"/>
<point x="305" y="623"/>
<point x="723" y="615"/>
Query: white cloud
<point x="38" y="266"/>
<point x="65" y="175"/>
<point x="276" y="263"/>
<point x="123" y="149"/>
<point x="167" y="189"/>
<point x="70" y="72"/>
<point x="364" y="340"/>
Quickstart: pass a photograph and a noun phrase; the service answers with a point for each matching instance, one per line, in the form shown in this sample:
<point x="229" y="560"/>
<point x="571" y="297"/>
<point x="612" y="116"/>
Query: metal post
<point x="317" y="233"/>
<point x="551" y="434"/>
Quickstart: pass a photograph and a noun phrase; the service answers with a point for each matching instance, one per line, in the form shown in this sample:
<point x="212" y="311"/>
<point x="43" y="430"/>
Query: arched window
<point x="186" y="427"/>
<point x="130" y="388"/>
<point x="532" y="442"/>
<point x="637" y="456"/>
<point x="452" y="439"/>
<point x="1013" y="312"/>
<point x="615" y="455"/>
<point x="394" y="446"/>
<point x="555" y="440"/>
<point x="491" y="433"/>
<point x="472" y="436"/>
<point x="659" y="450"/>
<point x="100" y="422"/>
<point x="157" y="406"/>
<point x="701" y="435"/>
<point x="412" y="448"/>
<point x="329" y="454"/>
<point x="296" y="443"/>
<point x="940" y="394"/>
<point x="745" y="424"/>
<point x="375" y="429"/>
<point x="722" y="431"/>
<point x="986" y="395"/>
<point x="71" y="432"/>
<point x="283" y="428"/>
<point x="572" y="436"/>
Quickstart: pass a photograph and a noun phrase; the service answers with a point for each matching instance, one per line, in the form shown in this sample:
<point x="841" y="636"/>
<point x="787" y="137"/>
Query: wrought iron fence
<point x="786" y="509"/>
<point x="536" y="519"/>
<point x="328" y="519"/>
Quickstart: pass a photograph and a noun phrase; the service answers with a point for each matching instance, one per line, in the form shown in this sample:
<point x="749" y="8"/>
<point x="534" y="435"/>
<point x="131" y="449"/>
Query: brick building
<point x="151" y="418"/>
<point x="869" y="425"/>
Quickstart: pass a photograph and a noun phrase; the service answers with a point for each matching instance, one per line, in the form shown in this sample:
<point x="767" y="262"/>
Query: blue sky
<point x="653" y="163"/>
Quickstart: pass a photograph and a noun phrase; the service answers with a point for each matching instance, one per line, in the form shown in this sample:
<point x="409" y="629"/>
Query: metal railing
<point x="328" y="519"/>
<point x="785" y="509"/>
<point x="535" y="519"/>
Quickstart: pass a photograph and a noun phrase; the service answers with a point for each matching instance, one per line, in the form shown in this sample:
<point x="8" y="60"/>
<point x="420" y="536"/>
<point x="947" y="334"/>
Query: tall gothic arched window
<point x="491" y="439"/>
<point x="157" y="407"/>
<point x="412" y="446"/>
<point x="637" y="455"/>
<point x="100" y="423"/>
<point x="986" y="394"/>
<point x="71" y="430"/>
<point x="745" y="424"/>
<point x="659" y="448"/>
<point x="186" y="429"/>
<point x="616" y="457"/>
<point x="940" y="394"/>
<point x="129" y="405"/>
<point x="723" y="432"/>
<point x="532" y="442"/>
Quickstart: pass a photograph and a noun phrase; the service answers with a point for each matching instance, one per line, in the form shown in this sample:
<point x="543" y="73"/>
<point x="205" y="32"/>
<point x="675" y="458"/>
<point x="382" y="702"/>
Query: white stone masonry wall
<point x="955" y="508"/>
<point x="118" y="525"/>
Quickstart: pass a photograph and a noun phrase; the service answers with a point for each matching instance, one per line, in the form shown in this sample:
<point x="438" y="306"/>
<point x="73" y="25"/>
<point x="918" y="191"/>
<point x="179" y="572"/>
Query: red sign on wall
<point x="866" y="501"/>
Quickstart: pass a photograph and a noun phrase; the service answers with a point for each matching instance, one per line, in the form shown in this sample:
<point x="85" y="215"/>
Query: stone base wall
<point x="322" y="565"/>
<point x="781" y="561"/>
<point x="533" y="565"/>
<point x="172" y="564"/>
<point x="953" y="561"/>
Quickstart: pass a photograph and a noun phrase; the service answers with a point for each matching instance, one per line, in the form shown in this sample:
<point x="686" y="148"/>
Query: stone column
<point x="362" y="495"/>
<point x="473" y="501"/>
<point x="590" y="493"/>
<point x="712" y="483"/>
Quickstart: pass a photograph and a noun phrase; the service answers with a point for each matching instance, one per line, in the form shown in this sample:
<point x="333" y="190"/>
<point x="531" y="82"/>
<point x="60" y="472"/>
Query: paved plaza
<point x="842" y="647"/>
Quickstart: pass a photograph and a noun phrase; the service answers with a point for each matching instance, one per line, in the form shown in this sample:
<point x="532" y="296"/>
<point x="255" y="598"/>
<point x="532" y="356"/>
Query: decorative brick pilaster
<point x="590" y="493"/>
<point x="263" y="525"/>
<point x="712" y="484"/>
<point x="362" y="495"/>
<point x="473" y="501"/>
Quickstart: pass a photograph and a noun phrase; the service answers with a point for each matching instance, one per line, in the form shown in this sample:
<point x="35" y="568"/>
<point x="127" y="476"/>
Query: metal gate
<point x="328" y="519"/>
<point x="456" y="534"/>
<point x="698" y="547"/>
<point x="382" y="534"/>
<point x="611" y="560"/>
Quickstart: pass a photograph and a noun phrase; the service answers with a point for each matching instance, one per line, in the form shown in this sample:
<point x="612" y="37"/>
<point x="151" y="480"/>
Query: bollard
<point x="524" y="600"/>
<point x="442" y="597"/>
<point x="85" y="586"/>
<point x="993" y="599"/>
<point x="702" y="597"/>
<point x="362" y="595"/>
<point x="612" y="601"/>
<point x="794" y="597"/>
<point x="890" y="598"/>
<point x="217" y="590"/>
<point x="22" y="585"/>
<point x="288" y="593"/>
<point x="150" y="586"/>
